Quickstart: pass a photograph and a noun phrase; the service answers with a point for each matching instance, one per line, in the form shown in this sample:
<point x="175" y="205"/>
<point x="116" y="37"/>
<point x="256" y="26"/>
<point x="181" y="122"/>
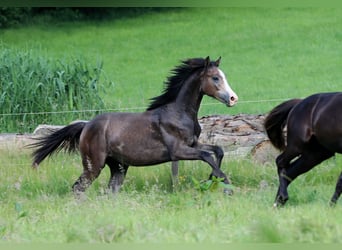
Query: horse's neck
<point x="189" y="98"/>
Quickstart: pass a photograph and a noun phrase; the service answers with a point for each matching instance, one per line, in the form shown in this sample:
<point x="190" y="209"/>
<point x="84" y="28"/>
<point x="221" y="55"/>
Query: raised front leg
<point x="196" y="153"/>
<point x="216" y="150"/>
<point x="189" y="153"/>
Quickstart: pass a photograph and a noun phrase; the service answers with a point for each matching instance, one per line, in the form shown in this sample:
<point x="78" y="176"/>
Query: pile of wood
<point x="239" y="136"/>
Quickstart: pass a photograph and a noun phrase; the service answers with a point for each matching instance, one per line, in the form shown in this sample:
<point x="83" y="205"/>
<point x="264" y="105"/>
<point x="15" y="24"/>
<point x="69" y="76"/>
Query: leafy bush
<point x="13" y="16"/>
<point x="37" y="90"/>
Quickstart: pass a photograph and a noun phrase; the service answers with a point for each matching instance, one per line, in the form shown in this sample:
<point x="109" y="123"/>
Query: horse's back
<point x="319" y="106"/>
<point x="318" y="115"/>
<point x="114" y="124"/>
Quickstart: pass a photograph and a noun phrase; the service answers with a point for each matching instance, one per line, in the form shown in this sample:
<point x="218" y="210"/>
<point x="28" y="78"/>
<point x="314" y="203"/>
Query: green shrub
<point x="37" y="90"/>
<point x="23" y="16"/>
<point x="13" y="16"/>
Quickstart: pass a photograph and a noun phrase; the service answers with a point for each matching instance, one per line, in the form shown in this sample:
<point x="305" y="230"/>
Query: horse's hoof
<point x="280" y="201"/>
<point x="228" y="191"/>
<point x="332" y="203"/>
<point x="277" y="205"/>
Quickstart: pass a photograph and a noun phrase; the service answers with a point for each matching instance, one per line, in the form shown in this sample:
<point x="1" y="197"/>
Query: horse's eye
<point x="215" y="79"/>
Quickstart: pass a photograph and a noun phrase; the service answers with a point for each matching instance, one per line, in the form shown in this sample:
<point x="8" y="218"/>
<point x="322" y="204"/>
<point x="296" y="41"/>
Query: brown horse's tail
<point x="66" y="138"/>
<point x="276" y="121"/>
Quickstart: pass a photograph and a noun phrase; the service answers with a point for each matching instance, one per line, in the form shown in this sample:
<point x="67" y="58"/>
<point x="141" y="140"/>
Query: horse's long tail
<point x="66" y="138"/>
<point x="276" y="121"/>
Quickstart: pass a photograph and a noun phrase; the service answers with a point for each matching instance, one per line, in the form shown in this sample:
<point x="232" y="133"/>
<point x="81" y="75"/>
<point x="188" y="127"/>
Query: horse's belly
<point x="139" y="154"/>
<point x="329" y="134"/>
<point x="333" y="145"/>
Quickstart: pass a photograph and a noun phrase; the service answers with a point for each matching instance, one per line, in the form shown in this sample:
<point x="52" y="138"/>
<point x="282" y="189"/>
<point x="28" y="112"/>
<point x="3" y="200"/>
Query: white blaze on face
<point x="233" y="98"/>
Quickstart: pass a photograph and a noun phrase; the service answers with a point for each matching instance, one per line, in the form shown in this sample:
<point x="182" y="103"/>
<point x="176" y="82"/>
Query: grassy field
<point x="268" y="55"/>
<point x="40" y="207"/>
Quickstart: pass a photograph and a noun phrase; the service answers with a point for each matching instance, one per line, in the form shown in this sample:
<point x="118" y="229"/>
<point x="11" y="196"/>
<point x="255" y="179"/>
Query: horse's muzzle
<point x="229" y="100"/>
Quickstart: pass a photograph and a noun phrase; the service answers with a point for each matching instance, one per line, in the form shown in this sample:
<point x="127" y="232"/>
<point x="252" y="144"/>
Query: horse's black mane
<point x="174" y="82"/>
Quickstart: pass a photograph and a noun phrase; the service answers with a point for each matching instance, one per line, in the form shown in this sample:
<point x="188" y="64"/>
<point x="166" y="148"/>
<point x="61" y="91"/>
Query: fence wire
<point x="126" y="109"/>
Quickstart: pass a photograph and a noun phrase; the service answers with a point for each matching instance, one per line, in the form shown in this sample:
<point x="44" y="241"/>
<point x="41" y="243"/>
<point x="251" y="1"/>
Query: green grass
<point x="40" y="207"/>
<point x="267" y="54"/>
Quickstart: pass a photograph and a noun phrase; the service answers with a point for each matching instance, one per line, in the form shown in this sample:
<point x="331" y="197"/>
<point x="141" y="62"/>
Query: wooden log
<point x="239" y="136"/>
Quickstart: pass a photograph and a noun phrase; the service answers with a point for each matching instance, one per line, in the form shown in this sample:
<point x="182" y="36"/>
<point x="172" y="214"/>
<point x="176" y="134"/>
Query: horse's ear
<point x="206" y="63"/>
<point x="217" y="62"/>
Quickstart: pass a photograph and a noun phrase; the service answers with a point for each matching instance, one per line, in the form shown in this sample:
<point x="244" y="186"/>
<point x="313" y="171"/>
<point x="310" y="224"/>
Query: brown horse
<point x="166" y="131"/>
<point x="314" y="134"/>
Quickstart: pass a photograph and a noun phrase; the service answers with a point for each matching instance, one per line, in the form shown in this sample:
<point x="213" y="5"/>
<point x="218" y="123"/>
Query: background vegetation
<point x="35" y="90"/>
<point x="269" y="55"/>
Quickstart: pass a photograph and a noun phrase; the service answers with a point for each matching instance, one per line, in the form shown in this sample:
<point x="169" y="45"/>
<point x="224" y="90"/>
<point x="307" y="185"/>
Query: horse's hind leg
<point x="118" y="172"/>
<point x="311" y="157"/>
<point x="338" y="191"/>
<point x="91" y="170"/>
<point x="283" y="163"/>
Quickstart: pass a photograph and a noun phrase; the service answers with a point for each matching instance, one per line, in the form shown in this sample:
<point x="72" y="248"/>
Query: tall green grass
<point x="35" y="90"/>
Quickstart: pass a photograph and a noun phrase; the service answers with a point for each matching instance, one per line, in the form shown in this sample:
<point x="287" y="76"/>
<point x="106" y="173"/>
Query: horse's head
<point x="214" y="83"/>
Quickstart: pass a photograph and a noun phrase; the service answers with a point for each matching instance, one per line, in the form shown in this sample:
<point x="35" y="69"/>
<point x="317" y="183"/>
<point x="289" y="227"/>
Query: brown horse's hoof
<point x="228" y="191"/>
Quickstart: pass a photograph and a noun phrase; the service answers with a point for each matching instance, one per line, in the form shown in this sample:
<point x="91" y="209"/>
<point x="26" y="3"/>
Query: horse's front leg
<point x="216" y="150"/>
<point x="174" y="173"/>
<point x="183" y="152"/>
<point x="338" y="191"/>
<point x="118" y="172"/>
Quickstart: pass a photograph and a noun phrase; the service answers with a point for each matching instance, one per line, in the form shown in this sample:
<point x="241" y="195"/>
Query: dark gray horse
<point x="166" y="131"/>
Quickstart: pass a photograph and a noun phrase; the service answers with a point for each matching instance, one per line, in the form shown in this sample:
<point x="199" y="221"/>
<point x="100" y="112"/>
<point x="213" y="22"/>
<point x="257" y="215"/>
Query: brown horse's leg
<point x="174" y="173"/>
<point x="217" y="151"/>
<point x="189" y="153"/>
<point x="338" y="191"/>
<point x="311" y="157"/>
<point x="91" y="170"/>
<point x="118" y="172"/>
<point x="196" y="153"/>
